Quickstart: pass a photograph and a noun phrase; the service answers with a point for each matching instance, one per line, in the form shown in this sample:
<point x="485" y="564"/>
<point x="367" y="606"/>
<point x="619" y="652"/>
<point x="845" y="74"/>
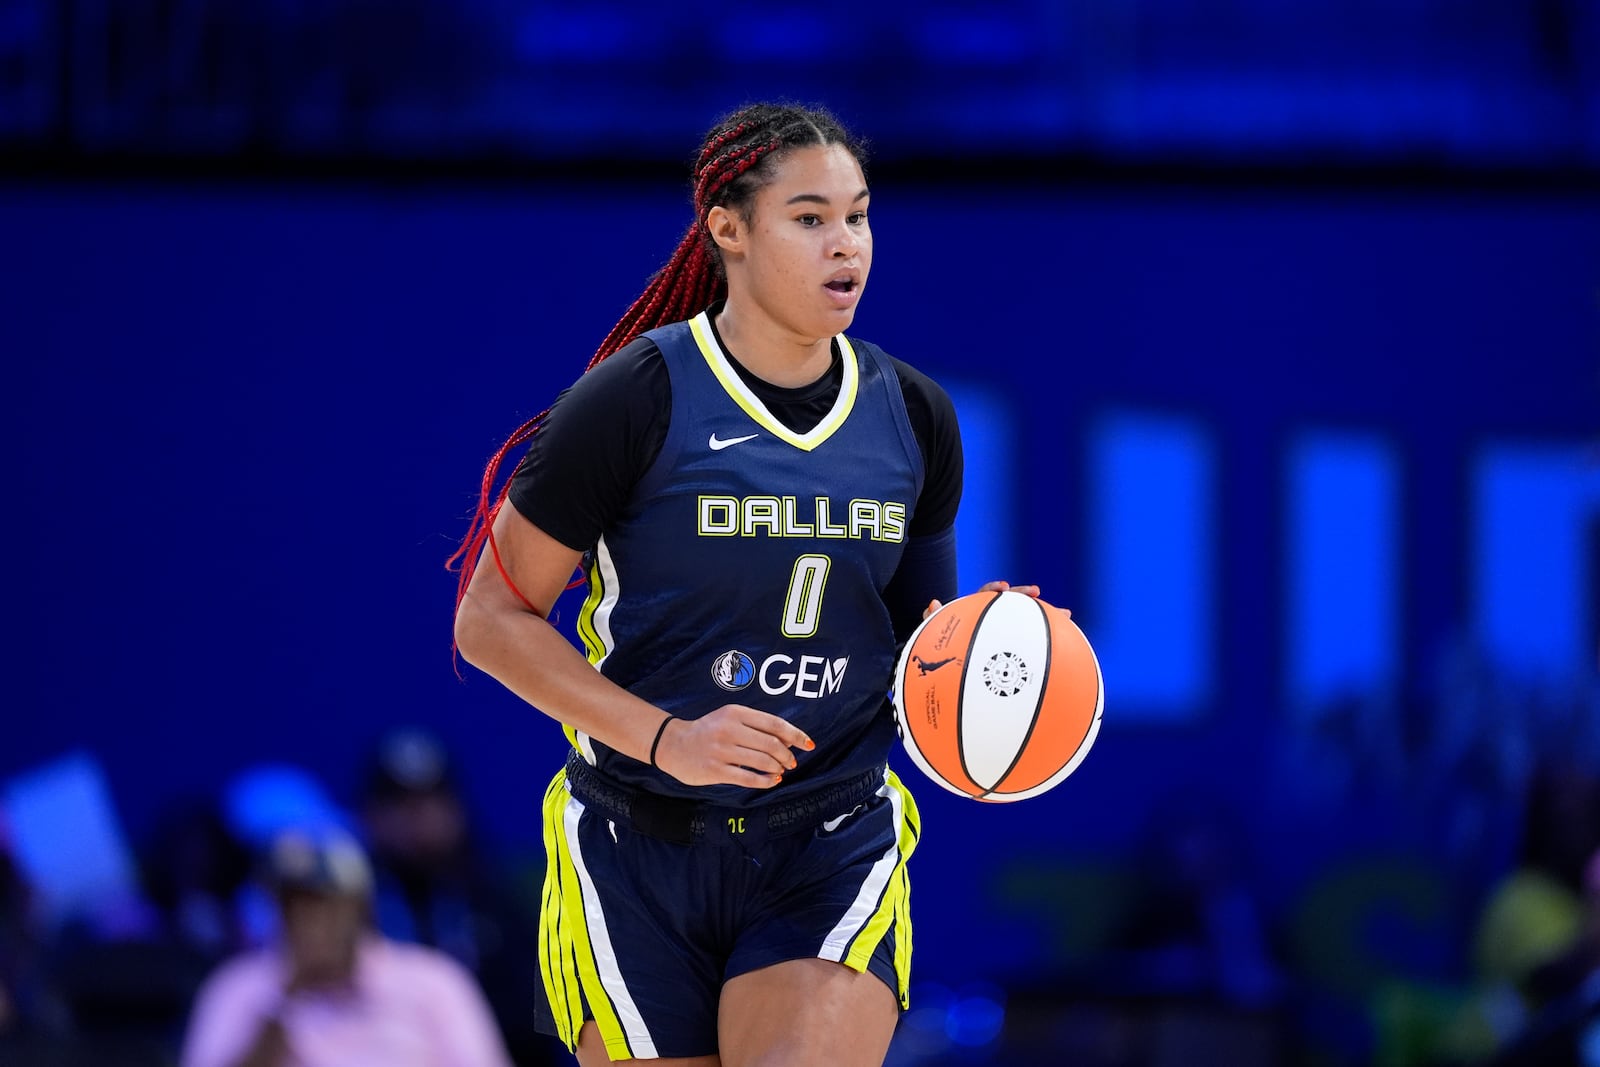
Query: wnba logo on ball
<point x="1005" y="674"/>
<point x="733" y="670"/>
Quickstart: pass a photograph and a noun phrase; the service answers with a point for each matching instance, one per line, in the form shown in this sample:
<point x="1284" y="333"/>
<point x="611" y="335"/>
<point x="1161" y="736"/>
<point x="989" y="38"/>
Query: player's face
<point x="809" y="246"/>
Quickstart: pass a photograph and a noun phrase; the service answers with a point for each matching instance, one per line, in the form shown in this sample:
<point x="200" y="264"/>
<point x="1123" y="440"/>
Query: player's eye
<point x="810" y="220"/>
<point x="857" y="218"/>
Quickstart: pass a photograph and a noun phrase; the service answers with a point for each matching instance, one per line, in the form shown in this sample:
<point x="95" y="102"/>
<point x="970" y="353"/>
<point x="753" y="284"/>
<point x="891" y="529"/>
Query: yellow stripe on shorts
<point x="574" y="977"/>
<point x="894" y="908"/>
<point x="902" y="940"/>
<point x="555" y="962"/>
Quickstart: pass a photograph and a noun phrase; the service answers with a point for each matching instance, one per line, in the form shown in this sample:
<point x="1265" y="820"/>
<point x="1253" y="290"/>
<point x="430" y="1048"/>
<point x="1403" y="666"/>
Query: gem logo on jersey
<point x="812" y="677"/>
<point x="733" y="670"/>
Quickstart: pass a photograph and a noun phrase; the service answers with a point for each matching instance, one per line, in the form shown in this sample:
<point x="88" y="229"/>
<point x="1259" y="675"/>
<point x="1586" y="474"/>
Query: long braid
<point x="727" y="173"/>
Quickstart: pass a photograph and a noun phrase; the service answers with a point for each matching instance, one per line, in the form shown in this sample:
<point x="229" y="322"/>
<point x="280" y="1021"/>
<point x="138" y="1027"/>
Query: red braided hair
<point x="728" y="172"/>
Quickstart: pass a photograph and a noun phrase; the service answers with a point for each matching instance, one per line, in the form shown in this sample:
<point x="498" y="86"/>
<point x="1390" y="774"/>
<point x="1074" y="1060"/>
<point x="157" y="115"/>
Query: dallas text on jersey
<point x="730" y="516"/>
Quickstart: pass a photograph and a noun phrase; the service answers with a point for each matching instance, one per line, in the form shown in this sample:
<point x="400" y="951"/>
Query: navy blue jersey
<point x="750" y="562"/>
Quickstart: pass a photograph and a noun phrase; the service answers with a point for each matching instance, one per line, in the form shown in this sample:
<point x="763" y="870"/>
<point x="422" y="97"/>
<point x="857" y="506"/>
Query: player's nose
<point x="846" y="243"/>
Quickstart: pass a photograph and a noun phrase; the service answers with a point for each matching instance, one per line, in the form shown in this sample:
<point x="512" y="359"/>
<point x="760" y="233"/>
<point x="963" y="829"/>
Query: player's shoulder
<point x="920" y="383"/>
<point x="921" y="390"/>
<point x="638" y="361"/>
<point x="912" y="378"/>
<point x="626" y="387"/>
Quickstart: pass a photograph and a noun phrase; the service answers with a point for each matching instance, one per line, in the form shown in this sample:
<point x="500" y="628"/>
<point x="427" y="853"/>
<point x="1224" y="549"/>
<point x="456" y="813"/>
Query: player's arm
<point x="927" y="572"/>
<point x="511" y="640"/>
<point x="579" y="473"/>
<point x="926" y="578"/>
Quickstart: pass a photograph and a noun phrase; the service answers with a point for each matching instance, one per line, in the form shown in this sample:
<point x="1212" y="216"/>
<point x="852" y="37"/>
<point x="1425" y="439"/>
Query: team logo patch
<point x="733" y="670"/>
<point x="1005" y="674"/>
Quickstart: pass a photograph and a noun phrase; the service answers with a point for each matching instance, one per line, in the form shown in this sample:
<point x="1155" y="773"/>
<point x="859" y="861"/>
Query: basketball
<point x="998" y="696"/>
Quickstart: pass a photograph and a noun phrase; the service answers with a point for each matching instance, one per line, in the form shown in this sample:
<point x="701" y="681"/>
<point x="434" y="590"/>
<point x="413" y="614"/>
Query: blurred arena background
<point x="1274" y="329"/>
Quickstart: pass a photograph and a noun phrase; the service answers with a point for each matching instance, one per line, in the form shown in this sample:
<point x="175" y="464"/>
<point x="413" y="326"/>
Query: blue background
<point x="251" y="394"/>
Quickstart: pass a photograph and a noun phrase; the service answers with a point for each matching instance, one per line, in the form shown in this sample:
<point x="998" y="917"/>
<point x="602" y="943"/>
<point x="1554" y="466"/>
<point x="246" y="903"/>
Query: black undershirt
<point x="606" y="429"/>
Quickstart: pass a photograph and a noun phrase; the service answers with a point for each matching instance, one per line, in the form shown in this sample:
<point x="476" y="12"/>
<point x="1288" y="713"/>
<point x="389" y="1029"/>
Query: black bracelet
<point x="657" y="742"/>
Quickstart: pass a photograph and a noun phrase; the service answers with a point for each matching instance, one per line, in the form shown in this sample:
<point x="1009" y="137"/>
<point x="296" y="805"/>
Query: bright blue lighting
<point x="1342" y="563"/>
<point x="985" y="524"/>
<point x="1152" y="560"/>
<point x="1534" y="504"/>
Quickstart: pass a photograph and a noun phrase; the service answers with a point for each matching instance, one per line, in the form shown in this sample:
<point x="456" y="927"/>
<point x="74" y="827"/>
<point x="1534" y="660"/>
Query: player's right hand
<point x="990" y="587"/>
<point x="733" y="745"/>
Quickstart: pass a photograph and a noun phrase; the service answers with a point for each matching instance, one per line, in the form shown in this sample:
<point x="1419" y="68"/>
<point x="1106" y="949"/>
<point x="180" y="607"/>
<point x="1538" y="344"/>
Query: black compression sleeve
<point x="933" y="424"/>
<point x="927" y="572"/>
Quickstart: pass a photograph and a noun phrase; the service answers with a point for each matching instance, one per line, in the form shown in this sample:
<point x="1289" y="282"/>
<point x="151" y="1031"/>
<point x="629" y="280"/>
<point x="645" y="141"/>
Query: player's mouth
<point x="843" y="288"/>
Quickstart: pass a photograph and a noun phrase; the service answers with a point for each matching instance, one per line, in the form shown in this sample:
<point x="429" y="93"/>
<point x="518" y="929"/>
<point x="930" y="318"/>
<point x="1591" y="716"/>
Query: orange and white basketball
<point x="998" y="696"/>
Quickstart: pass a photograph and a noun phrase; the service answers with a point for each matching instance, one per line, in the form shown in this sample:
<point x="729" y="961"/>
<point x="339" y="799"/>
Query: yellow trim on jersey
<point x="895" y="907"/>
<point x="593" y="647"/>
<point x="574" y="978"/>
<point x="742" y="395"/>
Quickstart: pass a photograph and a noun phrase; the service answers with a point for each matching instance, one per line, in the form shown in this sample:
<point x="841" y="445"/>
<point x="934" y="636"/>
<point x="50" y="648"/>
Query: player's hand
<point x="733" y="745"/>
<point x="991" y="587"/>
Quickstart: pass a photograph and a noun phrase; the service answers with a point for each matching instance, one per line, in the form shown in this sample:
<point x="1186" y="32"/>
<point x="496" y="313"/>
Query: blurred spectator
<point x="194" y="869"/>
<point x="333" y="992"/>
<point x="28" y="1006"/>
<point x="1536" y="946"/>
<point x="1199" y="928"/>
<point x="1568" y="972"/>
<point x="258" y="804"/>
<point x="1564" y="1027"/>
<point x="1188" y="972"/>
<point x="96" y="976"/>
<point x="1563" y="820"/>
<point x="433" y="886"/>
<point x="1535" y="916"/>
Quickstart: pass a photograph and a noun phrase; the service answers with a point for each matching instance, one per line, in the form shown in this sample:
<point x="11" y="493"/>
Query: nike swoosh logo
<point x="718" y="444"/>
<point x="833" y="824"/>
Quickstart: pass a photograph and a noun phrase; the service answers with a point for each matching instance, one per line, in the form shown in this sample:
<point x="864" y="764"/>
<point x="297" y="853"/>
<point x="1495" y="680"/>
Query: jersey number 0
<point x="802" y="608"/>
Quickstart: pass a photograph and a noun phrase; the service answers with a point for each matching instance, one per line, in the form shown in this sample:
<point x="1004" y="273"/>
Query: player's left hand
<point x="991" y="587"/>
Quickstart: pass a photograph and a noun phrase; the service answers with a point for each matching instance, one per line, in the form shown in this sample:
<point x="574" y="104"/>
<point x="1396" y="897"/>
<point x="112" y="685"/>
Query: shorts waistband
<point x="691" y="822"/>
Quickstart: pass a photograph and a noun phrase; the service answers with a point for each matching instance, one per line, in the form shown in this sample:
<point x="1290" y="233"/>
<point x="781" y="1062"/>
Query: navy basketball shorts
<point x="639" y="930"/>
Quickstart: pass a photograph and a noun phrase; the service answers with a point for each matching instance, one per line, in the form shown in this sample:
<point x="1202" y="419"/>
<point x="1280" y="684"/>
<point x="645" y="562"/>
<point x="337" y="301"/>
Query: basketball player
<point x="764" y="509"/>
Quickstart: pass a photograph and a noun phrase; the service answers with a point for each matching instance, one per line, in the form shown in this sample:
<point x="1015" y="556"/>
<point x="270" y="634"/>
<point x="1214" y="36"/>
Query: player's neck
<point x="769" y="350"/>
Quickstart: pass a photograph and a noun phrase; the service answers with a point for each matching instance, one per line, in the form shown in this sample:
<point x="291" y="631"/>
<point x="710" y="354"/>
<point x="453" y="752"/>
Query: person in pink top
<point x="332" y="992"/>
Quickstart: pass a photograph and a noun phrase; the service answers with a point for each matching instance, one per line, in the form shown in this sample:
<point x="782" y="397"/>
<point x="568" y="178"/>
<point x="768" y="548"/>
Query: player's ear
<point x="727" y="229"/>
